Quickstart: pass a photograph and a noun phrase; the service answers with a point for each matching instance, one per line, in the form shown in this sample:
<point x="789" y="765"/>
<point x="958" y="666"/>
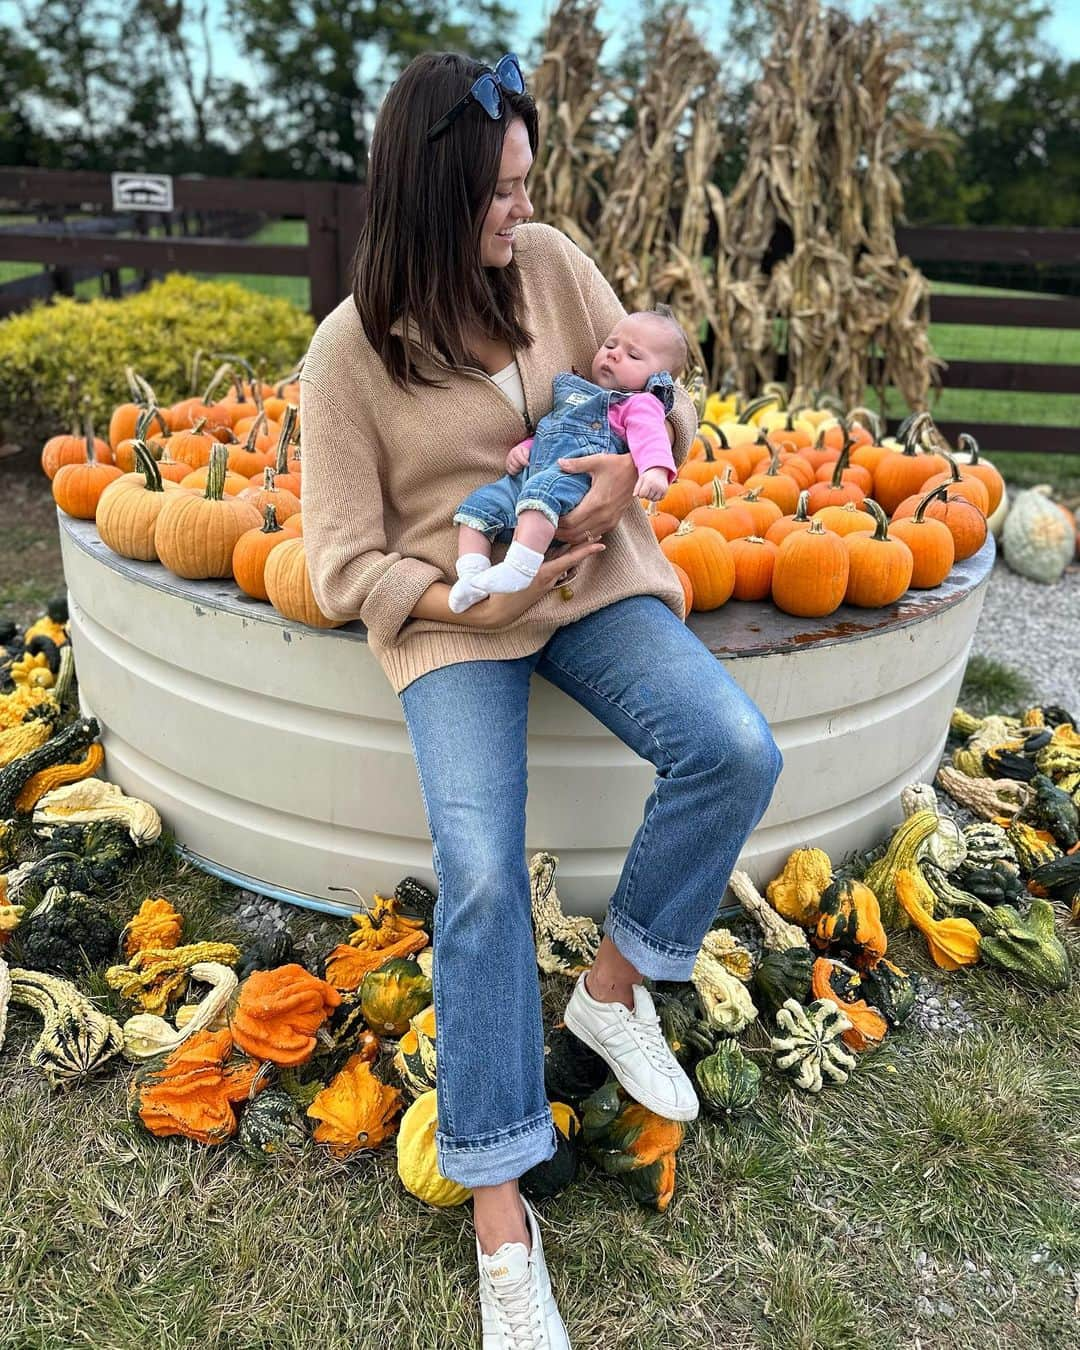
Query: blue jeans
<point x="577" y="425"/>
<point x="647" y="678"/>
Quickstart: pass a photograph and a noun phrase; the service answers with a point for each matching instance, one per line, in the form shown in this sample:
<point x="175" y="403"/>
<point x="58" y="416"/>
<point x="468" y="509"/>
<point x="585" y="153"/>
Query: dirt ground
<point x="30" y="570"/>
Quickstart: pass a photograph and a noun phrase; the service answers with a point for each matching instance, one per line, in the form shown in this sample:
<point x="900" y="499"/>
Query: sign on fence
<point x="142" y="192"/>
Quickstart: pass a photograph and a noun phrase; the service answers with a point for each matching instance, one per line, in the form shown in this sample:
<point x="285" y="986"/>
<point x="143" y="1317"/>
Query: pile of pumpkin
<point x="815" y="510"/>
<point x="209" y="487"/>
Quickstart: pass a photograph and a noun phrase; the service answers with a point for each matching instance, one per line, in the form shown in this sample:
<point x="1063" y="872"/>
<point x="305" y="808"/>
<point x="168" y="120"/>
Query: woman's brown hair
<point x="418" y="255"/>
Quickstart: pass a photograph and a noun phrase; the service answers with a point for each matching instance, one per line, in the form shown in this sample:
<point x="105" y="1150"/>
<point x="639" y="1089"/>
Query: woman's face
<point x="511" y="204"/>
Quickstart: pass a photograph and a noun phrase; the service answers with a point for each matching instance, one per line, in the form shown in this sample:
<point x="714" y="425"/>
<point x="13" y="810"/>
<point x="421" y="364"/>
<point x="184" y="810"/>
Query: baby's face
<point x="633" y="351"/>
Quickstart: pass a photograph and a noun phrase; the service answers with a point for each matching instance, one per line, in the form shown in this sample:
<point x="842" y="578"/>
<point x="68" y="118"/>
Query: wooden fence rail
<point x="334" y="213"/>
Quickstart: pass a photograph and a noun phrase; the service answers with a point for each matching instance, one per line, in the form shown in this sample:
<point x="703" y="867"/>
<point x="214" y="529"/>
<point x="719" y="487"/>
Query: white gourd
<point x="946" y="846"/>
<point x="1038" y="540"/>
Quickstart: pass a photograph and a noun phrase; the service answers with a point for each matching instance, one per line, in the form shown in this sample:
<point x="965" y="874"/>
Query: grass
<point x="989" y="686"/>
<point x="798" y="1228"/>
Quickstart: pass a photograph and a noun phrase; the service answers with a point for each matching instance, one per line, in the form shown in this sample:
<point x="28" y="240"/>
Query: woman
<point x="412" y="393"/>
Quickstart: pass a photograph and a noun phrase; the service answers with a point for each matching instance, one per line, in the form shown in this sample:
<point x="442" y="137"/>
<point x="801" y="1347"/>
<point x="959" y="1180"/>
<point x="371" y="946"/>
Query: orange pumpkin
<point x="295" y="525"/>
<point x="77" y="487"/>
<point x="255" y="453"/>
<point x="810" y="574"/>
<point x="682" y="496"/>
<point x="754" y="559"/>
<point x="71" y="449"/>
<point x="930" y="541"/>
<point x="846" y="519"/>
<point x="964" y="521"/>
<point x="704" y="555"/>
<point x="251" y="552"/>
<point x="687" y="588"/>
<point x="729" y="518"/>
<point x="288" y="586"/>
<point x="960" y="483"/>
<point x="776" y="486"/>
<point x="995" y="484"/>
<point x="191" y="447"/>
<point x="836" y="489"/>
<point x="879" y="566"/>
<point x="128" y="509"/>
<point x="779" y="530"/>
<point x="196" y="534"/>
<point x="704" y="468"/>
<point x="899" y="473"/>
<point x="267" y="493"/>
<point x="763" y="512"/>
<point x="234" y="483"/>
<point x="662" y="522"/>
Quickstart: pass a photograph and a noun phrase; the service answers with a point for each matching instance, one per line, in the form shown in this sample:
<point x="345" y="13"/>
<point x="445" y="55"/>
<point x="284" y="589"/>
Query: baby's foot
<point x="464" y="592"/>
<point x="514" y="573"/>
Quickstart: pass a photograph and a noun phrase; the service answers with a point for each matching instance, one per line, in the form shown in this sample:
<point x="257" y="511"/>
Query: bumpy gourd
<point x="1049" y="808"/>
<point x="94" y="799"/>
<point x="782" y="975"/>
<point x="722" y="946"/>
<point x="56" y="775"/>
<point x="986" y="844"/>
<point x="347" y="965"/>
<point x="1033" y="847"/>
<point x="890" y="990"/>
<point x="946" y="846"/>
<point x="271" y="1126"/>
<point x="987" y="797"/>
<point x="555" y="1174"/>
<point x="279" y="1013"/>
<point x="807" y="1047"/>
<point x="146" y="1035"/>
<point x="571" y="1070"/>
<point x="1026" y="945"/>
<point x="796" y="892"/>
<point x="414" y="1058"/>
<point x="155" y="924"/>
<point x="193" y="1090"/>
<point x="725" y="1000"/>
<point x="355" y="1111"/>
<point x="154" y="975"/>
<point x="66" y="746"/>
<point x="565" y="944"/>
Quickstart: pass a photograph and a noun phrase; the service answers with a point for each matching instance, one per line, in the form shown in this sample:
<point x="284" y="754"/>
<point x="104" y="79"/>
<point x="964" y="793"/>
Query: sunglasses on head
<point x="487" y="91"/>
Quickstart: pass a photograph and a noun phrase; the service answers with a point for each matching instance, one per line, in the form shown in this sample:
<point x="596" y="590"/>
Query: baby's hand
<point x="653" y="484"/>
<point x="518" y="457"/>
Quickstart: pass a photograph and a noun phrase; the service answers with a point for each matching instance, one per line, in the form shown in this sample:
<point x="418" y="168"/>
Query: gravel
<point x="1035" y="629"/>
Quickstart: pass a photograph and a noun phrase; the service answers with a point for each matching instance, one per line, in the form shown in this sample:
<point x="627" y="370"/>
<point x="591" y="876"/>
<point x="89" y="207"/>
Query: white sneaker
<point x="516" y="1303"/>
<point x="633" y="1047"/>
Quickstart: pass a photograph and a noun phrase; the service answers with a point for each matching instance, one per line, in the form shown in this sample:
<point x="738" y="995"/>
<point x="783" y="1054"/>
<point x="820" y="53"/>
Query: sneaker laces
<point x="649" y="1036"/>
<point x="519" y="1313"/>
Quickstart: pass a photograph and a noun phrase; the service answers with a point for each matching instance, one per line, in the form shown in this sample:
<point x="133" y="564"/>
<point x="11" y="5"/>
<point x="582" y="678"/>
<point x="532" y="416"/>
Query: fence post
<point x="324" y="268"/>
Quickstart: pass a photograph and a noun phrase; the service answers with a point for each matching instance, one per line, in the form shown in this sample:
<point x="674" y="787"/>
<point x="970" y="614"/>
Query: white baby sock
<point x="464" y="593"/>
<point x="514" y="573"/>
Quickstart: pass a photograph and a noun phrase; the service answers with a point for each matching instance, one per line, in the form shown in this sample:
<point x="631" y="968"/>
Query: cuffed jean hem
<point x="490" y="1159"/>
<point x="537" y="504"/>
<point x="485" y="524"/>
<point x="658" y="960"/>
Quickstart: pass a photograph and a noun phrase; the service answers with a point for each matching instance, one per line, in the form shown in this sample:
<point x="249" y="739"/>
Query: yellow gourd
<point x="57" y="775"/>
<point x="417" y="1165"/>
<point x="952" y="943"/>
<point x="796" y="892"/>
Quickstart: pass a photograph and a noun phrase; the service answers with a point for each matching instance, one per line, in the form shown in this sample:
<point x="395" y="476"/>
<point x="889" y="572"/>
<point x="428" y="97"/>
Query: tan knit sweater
<point x="385" y="470"/>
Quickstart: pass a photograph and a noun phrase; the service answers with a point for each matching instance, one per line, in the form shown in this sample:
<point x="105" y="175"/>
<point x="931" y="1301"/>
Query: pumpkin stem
<point x="353" y="891"/>
<point x="268" y="479"/>
<point x="841" y="463"/>
<point x="869" y="419"/>
<point x="801" y="505"/>
<point x="253" y="435"/>
<point x="755" y="405"/>
<point x="966" y="442"/>
<point x="215" y="379"/>
<point x="215" y="474"/>
<point x="881" y="528"/>
<point x="288" y="422"/>
<point x="942" y="491"/>
<point x="88" y="432"/>
<point x="147" y="465"/>
<point x="816" y="527"/>
<point x="196" y="362"/>
<point x="912" y="438"/>
<point x="270" y="520"/>
<point x="718" y="498"/>
<point x="724" y="443"/>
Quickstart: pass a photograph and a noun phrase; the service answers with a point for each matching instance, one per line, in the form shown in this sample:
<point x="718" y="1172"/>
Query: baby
<point x="622" y="409"/>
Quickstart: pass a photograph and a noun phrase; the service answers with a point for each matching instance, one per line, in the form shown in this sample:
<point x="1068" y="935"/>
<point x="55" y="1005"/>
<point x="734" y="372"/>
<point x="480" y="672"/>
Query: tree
<point x="329" y="62"/>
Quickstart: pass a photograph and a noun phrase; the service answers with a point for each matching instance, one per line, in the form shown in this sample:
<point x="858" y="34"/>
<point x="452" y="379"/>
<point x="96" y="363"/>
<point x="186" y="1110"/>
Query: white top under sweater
<point x="509" y="381"/>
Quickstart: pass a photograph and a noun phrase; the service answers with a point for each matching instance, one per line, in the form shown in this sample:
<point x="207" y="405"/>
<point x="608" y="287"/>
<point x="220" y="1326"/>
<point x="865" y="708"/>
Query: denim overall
<point x="577" y="425"/>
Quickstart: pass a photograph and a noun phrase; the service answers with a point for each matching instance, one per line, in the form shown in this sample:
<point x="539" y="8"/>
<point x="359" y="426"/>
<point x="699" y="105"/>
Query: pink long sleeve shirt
<point x="639" y="421"/>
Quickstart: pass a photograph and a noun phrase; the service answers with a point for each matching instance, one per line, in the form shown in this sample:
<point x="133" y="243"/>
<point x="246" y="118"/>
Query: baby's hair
<point x="680" y="346"/>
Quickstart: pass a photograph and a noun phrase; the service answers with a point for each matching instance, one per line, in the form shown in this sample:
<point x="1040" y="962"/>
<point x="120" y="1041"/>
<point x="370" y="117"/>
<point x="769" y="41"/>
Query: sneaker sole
<point x="586" y="1038"/>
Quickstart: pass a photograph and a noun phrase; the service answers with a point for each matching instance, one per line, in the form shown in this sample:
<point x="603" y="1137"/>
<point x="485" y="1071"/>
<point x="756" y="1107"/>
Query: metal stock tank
<point x="278" y="756"/>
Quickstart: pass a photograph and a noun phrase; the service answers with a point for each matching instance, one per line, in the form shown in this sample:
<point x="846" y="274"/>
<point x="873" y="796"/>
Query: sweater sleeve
<point x="352" y="574"/>
<point x="605" y="310"/>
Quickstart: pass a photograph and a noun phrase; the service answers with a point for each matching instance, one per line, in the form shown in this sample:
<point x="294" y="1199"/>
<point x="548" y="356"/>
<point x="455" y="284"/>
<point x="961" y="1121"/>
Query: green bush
<point x="157" y="331"/>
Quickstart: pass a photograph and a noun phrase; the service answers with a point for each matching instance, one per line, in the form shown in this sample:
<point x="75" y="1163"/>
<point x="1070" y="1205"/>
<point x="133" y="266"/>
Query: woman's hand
<point x="499" y="610"/>
<point x="612" y="491"/>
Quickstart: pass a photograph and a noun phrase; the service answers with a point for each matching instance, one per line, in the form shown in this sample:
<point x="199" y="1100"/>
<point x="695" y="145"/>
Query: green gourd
<point x="890" y="990"/>
<point x="903" y="851"/>
<point x="1026" y="946"/>
<point x="782" y="975"/>
<point x="987" y="844"/>
<point x="1048" y="808"/>
<point x="393" y="994"/>
<point x="76" y="1039"/>
<point x="628" y="1141"/>
<point x="66" y="747"/>
<point x="271" y="1126"/>
<point x="727" y="1081"/>
<point x="571" y="1070"/>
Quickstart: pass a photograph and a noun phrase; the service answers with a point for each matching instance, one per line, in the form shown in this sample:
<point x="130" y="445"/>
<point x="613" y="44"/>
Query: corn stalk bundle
<point x="575" y="153"/>
<point x="821" y="145"/>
